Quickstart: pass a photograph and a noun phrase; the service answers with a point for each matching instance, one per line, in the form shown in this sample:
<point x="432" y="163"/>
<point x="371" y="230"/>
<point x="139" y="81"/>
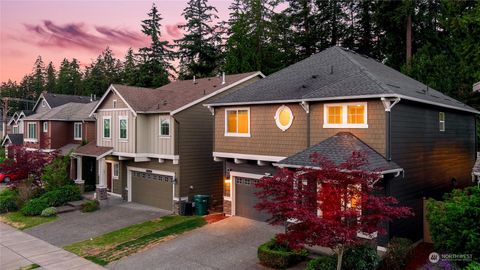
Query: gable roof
<point x="55" y="100"/>
<point x="16" y="116"/>
<point x="15" y="139"/>
<point x="67" y="112"/>
<point x="339" y="149"/>
<point x="92" y="150"/>
<point x="337" y="73"/>
<point x="175" y="95"/>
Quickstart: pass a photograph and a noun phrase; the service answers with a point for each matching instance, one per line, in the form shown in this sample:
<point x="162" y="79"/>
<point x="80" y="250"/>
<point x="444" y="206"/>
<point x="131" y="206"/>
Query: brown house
<point x="334" y="103"/>
<point x="154" y="145"/>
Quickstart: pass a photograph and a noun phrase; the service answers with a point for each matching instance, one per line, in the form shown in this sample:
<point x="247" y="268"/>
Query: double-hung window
<point x="123" y="128"/>
<point x="32" y="131"/>
<point x="15" y="130"/>
<point x="164" y="127"/>
<point x="345" y="115"/>
<point x="107" y="127"/>
<point x="77" y="131"/>
<point x="237" y="122"/>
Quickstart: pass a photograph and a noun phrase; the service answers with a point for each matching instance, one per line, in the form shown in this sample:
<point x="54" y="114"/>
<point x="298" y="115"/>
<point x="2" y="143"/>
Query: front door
<point x="109" y="177"/>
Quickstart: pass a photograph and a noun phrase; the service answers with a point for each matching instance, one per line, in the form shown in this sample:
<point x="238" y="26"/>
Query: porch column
<point x="102" y="180"/>
<point x="79" y="181"/>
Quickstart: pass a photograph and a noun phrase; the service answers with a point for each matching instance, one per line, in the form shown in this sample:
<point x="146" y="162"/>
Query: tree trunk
<point x="409" y="39"/>
<point x="339" y="258"/>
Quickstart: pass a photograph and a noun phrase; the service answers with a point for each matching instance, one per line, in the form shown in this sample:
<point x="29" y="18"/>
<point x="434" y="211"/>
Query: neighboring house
<point x="62" y="128"/>
<point x="336" y="102"/>
<point x="47" y="101"/>
<point x="154" y="145"/>
<point x="15" y="125"/>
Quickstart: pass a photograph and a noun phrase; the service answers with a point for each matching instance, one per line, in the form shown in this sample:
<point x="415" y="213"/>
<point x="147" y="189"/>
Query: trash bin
<point x="201" y="204"/>
<point x="186" y="208"/>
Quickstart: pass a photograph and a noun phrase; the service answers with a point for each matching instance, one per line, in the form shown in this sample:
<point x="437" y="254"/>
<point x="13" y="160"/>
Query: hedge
<point x="279" y="256"/>
<point x="34" y="207"/>
<point x="52" y="198"/>
<point x="90" y="206"/>
<point x="322" y="263"/>
<point x="8" y="201"/>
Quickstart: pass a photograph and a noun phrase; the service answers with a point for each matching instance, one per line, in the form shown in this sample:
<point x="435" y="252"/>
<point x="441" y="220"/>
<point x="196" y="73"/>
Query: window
<point x="116" y="170"/>
<point x="45" y="126"/>
<point x="123" y="128"/>
<point x="283" y="118"/>
<point x="164" y="127"/>
<point x="227" y="188"/>
<point x="441" y="121"/>
<point x="32" y="131"/>
<point x="114" y="103"/>
<point x="77" y="131"/>
<point x="15" y="130"/>
<point x="107" y="127"/>
<point x="237" y="122"/>
<point x="345" y="115"/>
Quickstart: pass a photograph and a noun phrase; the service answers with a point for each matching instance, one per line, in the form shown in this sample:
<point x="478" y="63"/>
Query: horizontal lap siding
<point x="429" y="157"/>
<point x="266" y="138"/>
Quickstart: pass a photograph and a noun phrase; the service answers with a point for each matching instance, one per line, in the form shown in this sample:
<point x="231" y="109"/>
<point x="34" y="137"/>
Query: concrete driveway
<point x="228" y="244"/>
<point x="77" y="226"/>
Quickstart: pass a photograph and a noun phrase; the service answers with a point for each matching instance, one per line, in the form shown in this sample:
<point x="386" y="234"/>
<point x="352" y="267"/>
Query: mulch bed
<point x="419" y="256"/>
<point x="212" y="218"/>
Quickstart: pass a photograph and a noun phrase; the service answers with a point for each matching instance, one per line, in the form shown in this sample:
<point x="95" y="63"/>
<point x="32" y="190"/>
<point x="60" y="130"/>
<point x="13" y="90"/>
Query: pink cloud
<point x="173" y="30"/>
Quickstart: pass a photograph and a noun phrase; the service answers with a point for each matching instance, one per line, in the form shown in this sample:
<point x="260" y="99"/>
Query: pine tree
<point x="155" y="60"/>
<point x="69" y="78"/>
<point x="130" y="69"/>
<point x="38" y="76"/>
<point x="301" y="15"/>
<point x="51" y="78"/>
<point x="198" y="49"/>
<point x="105" y="70"/>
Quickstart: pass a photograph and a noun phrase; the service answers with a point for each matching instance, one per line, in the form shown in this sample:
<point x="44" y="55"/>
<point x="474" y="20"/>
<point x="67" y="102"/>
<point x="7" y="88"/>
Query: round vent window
<point x="284" y="117"/>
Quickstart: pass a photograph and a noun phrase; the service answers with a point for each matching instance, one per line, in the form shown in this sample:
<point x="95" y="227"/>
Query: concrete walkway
<point x="18" y="249"/>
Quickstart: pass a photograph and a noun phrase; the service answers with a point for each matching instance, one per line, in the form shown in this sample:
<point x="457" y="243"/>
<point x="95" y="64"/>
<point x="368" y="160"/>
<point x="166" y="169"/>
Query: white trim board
<point x="258" y="73"/>
<point x="38" y="100"/>
<point x="233" y="185"/>
<point x="247" y="156"/>
<point x="111" y="88"/>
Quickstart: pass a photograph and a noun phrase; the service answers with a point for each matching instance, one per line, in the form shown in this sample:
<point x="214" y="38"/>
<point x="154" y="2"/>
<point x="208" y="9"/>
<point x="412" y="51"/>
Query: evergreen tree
<point x="302" y="21"/>
<point x="51" y="82"/>
<point x="130" y="69"/>
<point x="38" y="76"/>
<point x="198" y="49"/>
<point x="69" y="78"/>
<point x="155" y="66"/>
<point x="100" y="74"/>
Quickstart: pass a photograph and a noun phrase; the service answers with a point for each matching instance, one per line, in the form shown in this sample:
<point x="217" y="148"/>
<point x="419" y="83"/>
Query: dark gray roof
<point x="67" y="112"/>
<point x="55" y="100"/>
<point x="15" y="139"/>
<point x="337" y="73"/>
<point x="339" y="149"/>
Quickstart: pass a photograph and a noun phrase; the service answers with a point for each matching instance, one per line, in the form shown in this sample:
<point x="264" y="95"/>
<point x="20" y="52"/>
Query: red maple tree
<point x="329" y="205"/>
<point x="27" y="163"/>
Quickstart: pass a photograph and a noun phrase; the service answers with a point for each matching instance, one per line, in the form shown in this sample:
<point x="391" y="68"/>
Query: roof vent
<point x="304" y="86"/>
<point x="223" y="77"/>
<point x="314" y="76"/>
<point x="194" y="82"/>
<point x="205" y="91"/>
<point x="331" y="69"/>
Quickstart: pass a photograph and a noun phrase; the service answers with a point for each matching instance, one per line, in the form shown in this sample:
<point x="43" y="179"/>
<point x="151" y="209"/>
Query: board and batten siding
<point x="148" y="134"/>
<point x="430" y="158"/>
<point x="124" y="146"/>
<point x="108" y="102"/>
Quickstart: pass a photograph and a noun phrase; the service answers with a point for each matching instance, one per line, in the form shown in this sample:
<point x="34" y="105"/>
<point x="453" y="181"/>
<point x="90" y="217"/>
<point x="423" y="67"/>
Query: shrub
<point x="48" y="212"/>
<point x="473" y="266"/>
<point x="360" y="258"/>
<point x="55" y="174"/>
<point x="34" y="207"/>
<point x="322" y="263"/>
<point x="398" y="251"/>
<point x="90" y="206"/>
<point x="27" y="190"/>
<point x="279" y="255"/>
<point x="8" y="201"/>
<point x="62" y="195"/>
<point x="455" y="222"/>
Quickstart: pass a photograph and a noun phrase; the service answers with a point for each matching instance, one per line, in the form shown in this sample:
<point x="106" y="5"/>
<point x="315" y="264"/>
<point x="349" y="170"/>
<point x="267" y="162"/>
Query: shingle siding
<point x="429" y="157"/>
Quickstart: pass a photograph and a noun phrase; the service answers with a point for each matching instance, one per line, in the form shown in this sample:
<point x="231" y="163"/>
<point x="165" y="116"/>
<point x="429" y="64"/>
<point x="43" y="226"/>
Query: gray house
<point x="154" y="146"/>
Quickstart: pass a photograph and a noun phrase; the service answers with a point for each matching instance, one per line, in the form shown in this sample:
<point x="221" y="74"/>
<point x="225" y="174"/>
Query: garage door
<point x="152" y="189"/>
<point x="245" y="199"/>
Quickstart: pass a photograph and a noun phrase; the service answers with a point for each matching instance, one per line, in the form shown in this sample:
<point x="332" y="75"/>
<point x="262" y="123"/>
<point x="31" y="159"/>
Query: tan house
<point x="334" y="103"/>
<point x="154" y="145"/>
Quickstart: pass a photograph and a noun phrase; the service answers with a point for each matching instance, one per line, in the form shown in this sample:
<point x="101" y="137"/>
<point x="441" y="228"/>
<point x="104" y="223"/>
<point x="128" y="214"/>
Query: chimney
<point x="193" y="79"/>
<point x="91" y="97"/>
<point x="223" y="77"/>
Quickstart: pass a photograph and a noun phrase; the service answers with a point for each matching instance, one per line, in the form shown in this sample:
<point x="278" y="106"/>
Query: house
<point x="15" y="125"/>
<point x="154" y="145"/>
<point x="336" y="102"/>
<point x="62" y="128"/>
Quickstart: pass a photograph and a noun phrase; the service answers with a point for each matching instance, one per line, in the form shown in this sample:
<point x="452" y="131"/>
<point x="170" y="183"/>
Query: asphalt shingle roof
<point x="66" y="112"/>
<point x="15" y="139"/>
<point x="339" y="149"/>
<point x="333" y="73"/>
<point x="91" y="149"/>
<point x="55" y="100"/>
<point x="175" y="94"/>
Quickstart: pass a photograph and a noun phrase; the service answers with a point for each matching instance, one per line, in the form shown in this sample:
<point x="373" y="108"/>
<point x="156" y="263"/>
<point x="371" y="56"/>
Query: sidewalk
<point x="19" y="249"/>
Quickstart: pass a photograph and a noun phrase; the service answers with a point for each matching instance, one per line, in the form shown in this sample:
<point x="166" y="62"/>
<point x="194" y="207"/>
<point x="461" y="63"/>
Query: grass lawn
<point x="29" y="267"/>
<point x="19" y="221"/>
<point x="123" y="242"/>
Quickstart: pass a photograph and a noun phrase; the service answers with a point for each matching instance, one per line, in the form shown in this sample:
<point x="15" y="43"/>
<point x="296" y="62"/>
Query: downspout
<point x="388" y="105"/>
<point x="306" y="106"/>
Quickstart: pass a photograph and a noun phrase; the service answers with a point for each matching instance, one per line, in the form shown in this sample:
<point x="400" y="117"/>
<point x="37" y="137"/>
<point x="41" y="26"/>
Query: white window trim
<point x="440" y="122"/>
<point x="277" y="118"/>
<point x="45" y="126"/>
<point x="29" y="138"/>
<point x="103" y="127"/>
<point x="120" y="118"/>
<point x="75" y="129"/>
<point x="113" y="170"/>
<point x="236" y="134"/>
<point x="160" y="127"/>
<point x="344" y="123"/>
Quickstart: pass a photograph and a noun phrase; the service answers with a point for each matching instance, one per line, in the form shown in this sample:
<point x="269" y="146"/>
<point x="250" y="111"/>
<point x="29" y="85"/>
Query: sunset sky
<point x="78" y="29"/>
